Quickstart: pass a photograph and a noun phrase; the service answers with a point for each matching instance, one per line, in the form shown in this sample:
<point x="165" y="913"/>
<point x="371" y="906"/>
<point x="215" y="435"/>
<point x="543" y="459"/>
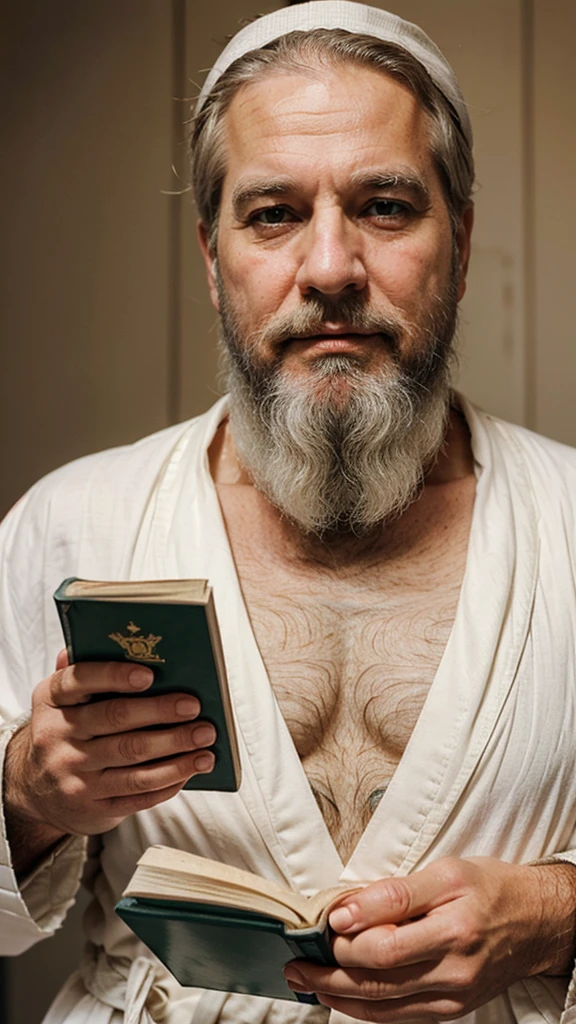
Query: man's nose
<point x="331" y="259"/>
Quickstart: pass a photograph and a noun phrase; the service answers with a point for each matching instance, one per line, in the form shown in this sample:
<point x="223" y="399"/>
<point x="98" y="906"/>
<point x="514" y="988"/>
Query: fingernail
<point x="140" y="677"/>
<point x="188" y="707"/>
<point x="293" y="977"/>
<point x="341" y="919"/>
<point x="204" y="762"/>
<point x="204" y="735"/>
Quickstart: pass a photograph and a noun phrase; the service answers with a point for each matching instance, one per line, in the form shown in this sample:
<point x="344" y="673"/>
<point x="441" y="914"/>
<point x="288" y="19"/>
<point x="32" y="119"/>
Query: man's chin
<point x="335" y="390"/>
<point x="326" y="376"/>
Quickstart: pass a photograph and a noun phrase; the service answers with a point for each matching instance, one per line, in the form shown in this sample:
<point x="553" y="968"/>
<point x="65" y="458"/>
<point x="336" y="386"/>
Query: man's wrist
<point x="556" y="886"/>
<point x="29" y="837"/>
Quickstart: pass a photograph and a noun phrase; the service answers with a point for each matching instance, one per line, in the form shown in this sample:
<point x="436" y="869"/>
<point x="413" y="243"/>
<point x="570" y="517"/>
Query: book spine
<point x="63" y="613"/>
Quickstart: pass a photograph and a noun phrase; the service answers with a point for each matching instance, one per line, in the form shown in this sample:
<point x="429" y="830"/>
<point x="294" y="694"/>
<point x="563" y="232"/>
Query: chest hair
<point x="351" y="653"/>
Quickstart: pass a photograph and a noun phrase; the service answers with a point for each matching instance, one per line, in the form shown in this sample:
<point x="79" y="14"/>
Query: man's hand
<point x="80" y="767"/>
<point x="439" y="943"/>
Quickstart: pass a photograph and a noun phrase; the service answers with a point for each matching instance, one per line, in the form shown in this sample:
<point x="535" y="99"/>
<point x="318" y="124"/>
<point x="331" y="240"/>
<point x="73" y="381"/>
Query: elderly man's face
<point x="331" y="193"/>
<point x="336" y="275"/>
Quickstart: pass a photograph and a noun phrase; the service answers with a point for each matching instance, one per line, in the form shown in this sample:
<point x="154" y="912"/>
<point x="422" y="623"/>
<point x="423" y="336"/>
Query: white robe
<point x="489" y="769"/>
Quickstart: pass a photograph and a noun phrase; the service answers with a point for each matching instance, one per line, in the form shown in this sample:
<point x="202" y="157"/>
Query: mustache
<point x="310" y="318"/>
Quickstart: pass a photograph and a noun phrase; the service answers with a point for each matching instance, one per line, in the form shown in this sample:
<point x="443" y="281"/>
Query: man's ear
<point x="463" y="243"/>
<point x="210" y="263"/>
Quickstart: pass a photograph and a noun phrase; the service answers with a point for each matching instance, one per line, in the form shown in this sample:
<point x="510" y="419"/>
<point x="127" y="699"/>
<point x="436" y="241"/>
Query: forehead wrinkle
<point x="297" y="125"/>
<point x="343" y="113"/>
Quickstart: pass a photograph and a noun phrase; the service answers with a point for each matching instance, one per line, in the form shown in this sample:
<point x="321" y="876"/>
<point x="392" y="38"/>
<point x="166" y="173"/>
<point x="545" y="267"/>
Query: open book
<point x="217" y="926"/>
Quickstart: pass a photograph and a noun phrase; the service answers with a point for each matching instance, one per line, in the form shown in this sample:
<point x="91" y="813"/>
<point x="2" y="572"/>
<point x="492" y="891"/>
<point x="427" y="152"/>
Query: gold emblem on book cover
<point x="138" y="647"/>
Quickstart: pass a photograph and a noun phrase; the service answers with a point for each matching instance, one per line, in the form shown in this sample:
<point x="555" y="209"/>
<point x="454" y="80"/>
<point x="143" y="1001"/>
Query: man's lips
<point x="344" y="340"/>
<point x="336" y="330"/>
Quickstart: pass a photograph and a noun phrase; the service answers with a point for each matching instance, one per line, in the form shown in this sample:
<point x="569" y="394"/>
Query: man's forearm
<point x="29" y="839"/>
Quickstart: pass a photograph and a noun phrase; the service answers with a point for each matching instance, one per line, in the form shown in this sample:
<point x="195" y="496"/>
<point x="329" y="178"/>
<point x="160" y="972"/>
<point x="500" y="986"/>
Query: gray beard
<point x="345" y="449"/>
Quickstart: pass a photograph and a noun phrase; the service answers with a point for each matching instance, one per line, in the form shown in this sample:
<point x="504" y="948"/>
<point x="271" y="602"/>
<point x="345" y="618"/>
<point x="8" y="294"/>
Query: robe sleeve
<point x="34" y="909"/>
<point x="82" y="519"/>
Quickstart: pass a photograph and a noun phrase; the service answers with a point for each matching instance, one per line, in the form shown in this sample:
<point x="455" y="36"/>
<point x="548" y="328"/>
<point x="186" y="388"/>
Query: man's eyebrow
<point x="259" y="188"/>
<point x="395" y="181"/>
<point x="246" y="191"/>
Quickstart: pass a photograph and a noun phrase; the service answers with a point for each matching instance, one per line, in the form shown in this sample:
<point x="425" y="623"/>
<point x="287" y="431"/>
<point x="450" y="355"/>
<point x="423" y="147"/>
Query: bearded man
<point x="392" y="569"/>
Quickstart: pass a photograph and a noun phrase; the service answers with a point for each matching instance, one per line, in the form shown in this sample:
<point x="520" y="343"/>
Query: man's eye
<point x="271" y="215"/>
<point x="386" y="208"/>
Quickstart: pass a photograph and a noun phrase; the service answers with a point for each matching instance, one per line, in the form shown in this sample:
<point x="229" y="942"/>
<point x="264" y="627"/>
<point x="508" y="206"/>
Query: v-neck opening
<point x="298" y="767"/>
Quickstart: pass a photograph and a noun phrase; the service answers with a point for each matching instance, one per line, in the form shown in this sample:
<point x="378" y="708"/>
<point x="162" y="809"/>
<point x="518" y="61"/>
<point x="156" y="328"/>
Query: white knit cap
<point x="353" y="17"/>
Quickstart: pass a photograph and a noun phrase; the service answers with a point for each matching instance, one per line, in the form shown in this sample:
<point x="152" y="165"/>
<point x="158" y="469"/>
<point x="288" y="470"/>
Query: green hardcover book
<point x="216" y="926"/>
<point x="170" y="626"/>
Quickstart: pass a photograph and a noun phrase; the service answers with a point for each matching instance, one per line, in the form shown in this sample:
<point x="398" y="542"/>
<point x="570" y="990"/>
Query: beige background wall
<point x="107" y="332"/>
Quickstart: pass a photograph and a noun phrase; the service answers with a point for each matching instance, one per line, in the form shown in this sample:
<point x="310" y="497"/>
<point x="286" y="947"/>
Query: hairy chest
<point x="351" y="673"/>
<point x="350" y="654"/>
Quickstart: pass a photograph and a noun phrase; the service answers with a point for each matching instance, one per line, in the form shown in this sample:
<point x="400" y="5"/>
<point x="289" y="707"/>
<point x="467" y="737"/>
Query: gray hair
<point x="298" y="52"/>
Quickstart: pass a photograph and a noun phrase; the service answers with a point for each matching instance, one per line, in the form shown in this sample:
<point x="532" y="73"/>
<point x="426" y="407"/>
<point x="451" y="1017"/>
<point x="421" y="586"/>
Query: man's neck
<point x="455" y="460"/>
